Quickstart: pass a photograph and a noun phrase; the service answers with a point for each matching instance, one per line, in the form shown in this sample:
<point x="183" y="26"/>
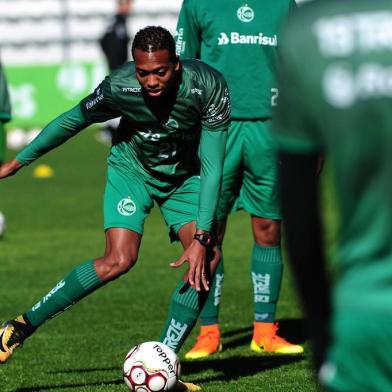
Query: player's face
<point x="155" y="71"/>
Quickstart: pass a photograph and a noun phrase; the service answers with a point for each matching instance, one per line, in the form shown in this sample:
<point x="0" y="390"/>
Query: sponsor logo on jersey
<point x="241" y="39"/>
<point x="92" y="102"/>
<point x="245" y="14"/>
<point x="261" y="287"/>
<point x="174" y="334"/>
<point x="131" y="89"/>
<point x="363" y="32"/>
<point x="126" y="206"/>
<point x="180" y="43"/>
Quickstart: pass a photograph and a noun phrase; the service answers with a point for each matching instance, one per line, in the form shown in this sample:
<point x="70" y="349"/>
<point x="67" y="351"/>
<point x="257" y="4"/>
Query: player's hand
<point x="198" y="274"/>
<point x="10" y="168"/>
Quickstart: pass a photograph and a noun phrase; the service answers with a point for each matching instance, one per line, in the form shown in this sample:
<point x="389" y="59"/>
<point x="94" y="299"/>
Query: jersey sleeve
<point x="55" y="133"/>
<point x="5" y="106"/>
<point x="100" y="106"/>
<point x="212" y="153"/>
<point x="294" y="130"/>
<point x="188" y="35"/>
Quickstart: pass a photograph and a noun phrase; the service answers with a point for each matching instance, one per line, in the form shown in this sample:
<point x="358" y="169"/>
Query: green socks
<point x="210" y="313"/>
<point x="185" y="307"/>
<point x="80" y="282"/>
<point x="267" y="269"/>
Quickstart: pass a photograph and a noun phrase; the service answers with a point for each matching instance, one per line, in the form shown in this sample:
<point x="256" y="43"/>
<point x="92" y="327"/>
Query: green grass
<point x="56" y="224"/>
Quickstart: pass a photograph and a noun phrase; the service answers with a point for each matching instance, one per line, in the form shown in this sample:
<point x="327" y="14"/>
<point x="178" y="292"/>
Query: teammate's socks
<point x="185" y="307"/>
<point x="80" y="282"/>
<point x="267" y="269"/>
<point x="210" y="312"/>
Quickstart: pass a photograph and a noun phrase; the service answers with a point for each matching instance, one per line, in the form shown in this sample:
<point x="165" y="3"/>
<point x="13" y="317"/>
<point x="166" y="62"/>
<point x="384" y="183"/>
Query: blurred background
<point x="51" y="54"/>
<point x="50" y="50"/>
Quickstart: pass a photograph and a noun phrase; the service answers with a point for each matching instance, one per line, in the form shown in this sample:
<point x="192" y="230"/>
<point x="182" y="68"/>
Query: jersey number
<point x="274" y="96"/>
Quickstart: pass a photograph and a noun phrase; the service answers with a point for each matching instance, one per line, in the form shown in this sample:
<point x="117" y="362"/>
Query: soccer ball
<point x="151" y="367"/>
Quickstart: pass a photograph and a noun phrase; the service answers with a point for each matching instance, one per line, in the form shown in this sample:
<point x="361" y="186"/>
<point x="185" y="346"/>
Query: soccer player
<point x="339" y="104"/>
<point x="5" y="116"/>
<point x="240" y="40"/>
<point x="171" y="113"/>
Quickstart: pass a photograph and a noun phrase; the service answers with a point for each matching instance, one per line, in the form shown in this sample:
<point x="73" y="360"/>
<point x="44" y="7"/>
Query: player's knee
<point x="115" y="264"/>
<point x="267" y="232"/>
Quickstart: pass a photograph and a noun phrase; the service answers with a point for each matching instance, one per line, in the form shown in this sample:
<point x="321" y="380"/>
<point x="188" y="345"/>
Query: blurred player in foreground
<point x="5" y="116"/>
<point x="340" y="105"/>
<point x="241" y="41"/>
<point x="171" y="112"/>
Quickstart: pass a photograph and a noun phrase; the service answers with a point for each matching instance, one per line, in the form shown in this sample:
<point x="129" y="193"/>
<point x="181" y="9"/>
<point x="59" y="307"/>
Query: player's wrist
<point x="203" y="237"/>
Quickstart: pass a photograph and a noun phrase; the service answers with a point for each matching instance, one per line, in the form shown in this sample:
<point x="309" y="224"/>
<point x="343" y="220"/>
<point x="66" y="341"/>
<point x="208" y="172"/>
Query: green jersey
<point x="240" y="39"/>
<point x="161" y="143"/>
<point x="341" y="105"/>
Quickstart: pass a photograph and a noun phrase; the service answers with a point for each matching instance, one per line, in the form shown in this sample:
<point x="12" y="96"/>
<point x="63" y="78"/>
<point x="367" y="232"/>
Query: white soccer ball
<point x="151" y="367"/>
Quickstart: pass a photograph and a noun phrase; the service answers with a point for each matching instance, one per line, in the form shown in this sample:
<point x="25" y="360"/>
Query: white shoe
<point x="2" y="224"/>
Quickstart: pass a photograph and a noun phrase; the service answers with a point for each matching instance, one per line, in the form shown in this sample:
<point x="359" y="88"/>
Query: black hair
<point x="153" y="38"/>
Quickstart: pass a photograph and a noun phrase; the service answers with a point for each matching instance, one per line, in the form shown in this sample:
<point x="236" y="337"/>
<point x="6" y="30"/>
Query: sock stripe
<point x="267" y="254"/>
<point x="87" y="276"/>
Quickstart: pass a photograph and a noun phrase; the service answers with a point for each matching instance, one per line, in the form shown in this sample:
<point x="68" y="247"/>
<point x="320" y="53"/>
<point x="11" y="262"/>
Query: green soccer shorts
<point x="128" y="200"/>
<point x="249" y="179"/>
<point x="359" y="359"/>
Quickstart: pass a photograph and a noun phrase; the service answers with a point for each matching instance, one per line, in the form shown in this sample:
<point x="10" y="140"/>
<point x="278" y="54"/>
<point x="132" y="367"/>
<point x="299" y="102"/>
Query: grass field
<point x="55" y="224"/>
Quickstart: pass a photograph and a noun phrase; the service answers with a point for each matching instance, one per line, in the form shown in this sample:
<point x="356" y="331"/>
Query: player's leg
<point x="77" y="284"/>
<point x="209" y="339"/>
<point x="180" y="211"/>
<point x="259" y="198"/>
<point x="124" y="228"/>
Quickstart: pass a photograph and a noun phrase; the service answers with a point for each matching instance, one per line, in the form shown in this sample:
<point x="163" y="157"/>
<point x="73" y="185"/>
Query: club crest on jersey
<point x="126" y="206"/>
<point x="245" y="14"/>
<point x="171" y="123"/>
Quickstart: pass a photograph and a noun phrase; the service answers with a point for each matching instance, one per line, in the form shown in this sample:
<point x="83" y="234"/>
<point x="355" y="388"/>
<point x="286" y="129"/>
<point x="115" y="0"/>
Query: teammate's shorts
<point x="360" y="358"/>
<point x="250" y="171"/>
<point x="128" y="201"/>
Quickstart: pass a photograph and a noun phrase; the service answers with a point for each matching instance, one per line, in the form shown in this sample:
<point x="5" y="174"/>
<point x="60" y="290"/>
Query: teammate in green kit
<point x="240" y="40"/>
<point x="171" y="112"/>
<point x="5" y="116"/>
<point x="340" y="105"/>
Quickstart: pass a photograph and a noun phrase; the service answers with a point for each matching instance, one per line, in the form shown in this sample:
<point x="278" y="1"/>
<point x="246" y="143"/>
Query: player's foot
<point x="208" y="342"/>
<point x="186" y="386"/>
<point x="2" y="224"/>
<point x="265" y="339"/>
<point x="12" y="335"/>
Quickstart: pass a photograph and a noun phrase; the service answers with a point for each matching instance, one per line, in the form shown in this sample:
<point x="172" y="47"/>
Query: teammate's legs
<point x="259" y="197"/>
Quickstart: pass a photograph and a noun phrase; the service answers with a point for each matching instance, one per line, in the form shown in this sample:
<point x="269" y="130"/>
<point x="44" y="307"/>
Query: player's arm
<point x="215" y="123"/>
<point x="96" y="107"/>
<point x="188" y="37"/>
